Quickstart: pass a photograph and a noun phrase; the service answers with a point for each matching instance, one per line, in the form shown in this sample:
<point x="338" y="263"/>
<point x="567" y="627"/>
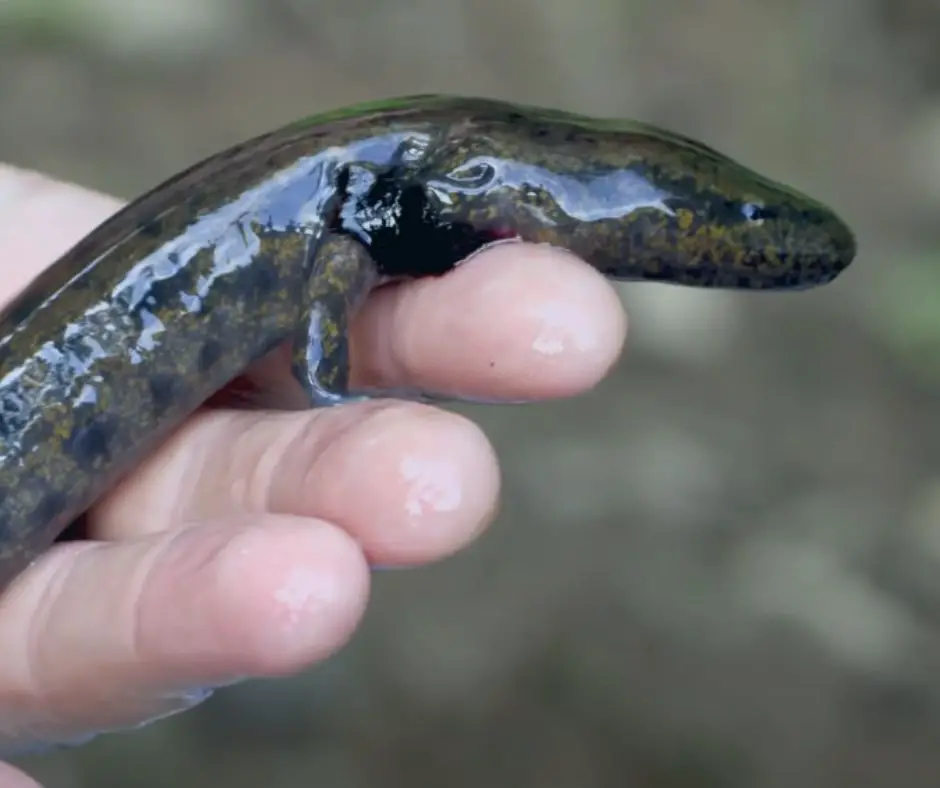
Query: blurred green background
<point x="719" y="569"/>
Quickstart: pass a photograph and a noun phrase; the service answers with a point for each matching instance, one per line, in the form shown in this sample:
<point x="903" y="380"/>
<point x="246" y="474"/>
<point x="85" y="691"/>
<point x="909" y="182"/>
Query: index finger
<point x="518" y="321"/>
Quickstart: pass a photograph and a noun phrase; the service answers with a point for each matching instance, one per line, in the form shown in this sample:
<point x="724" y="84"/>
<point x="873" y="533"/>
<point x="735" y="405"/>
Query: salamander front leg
<point x="341" y="277"/>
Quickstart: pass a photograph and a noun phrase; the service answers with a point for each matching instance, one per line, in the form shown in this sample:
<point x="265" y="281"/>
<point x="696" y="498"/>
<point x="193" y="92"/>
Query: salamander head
<point x="635" y="201"/>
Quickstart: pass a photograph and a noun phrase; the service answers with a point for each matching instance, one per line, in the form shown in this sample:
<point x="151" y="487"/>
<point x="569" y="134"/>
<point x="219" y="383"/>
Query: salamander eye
<point x="756" y="213"/>
<point x="474" y="174"/>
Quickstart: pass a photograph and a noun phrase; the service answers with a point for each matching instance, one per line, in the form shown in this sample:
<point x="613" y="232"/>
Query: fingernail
<point x="193" y="696"/>
<point x="23" y="749"/>
<point x="177" y="702"/>
<point x="196" y="695"/>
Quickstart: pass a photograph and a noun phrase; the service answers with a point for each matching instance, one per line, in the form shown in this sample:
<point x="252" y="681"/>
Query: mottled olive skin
<point x="281" y="238"/>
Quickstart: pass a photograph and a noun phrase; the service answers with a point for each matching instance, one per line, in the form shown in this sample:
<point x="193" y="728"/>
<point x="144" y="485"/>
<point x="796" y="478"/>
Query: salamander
<point x="280" y="239"/>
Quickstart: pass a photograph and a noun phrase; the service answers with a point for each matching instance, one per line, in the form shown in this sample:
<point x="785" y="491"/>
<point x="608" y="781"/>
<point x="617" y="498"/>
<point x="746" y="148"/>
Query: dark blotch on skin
<point x="165" y="390"/>
<point x="151" y="229"/>
<point x="210" y="354"/>
<point x="262" y="279"/>
<point x="91" y="442"/>
<point x="52" y="505"/>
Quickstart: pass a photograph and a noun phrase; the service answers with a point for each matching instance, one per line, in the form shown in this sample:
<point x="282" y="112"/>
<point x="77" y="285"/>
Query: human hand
<point x="242" y="547"/>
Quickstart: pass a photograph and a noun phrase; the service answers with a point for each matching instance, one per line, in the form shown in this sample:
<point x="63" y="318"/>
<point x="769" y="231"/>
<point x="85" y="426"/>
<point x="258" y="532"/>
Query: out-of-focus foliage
<point x="132" y="30"/>
<point x="721" y="568"/>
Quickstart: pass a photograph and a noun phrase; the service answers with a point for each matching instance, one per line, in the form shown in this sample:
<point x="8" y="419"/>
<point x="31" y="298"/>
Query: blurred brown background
<point x="722" y="567"/>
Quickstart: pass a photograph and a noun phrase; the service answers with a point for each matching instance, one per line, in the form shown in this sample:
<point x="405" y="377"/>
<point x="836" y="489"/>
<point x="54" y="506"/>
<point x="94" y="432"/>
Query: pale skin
<point x="242" y="548"/>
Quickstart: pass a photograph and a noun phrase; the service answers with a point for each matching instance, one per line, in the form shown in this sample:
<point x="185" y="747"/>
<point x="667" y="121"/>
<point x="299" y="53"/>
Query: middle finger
<point x="410" y="483"/>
